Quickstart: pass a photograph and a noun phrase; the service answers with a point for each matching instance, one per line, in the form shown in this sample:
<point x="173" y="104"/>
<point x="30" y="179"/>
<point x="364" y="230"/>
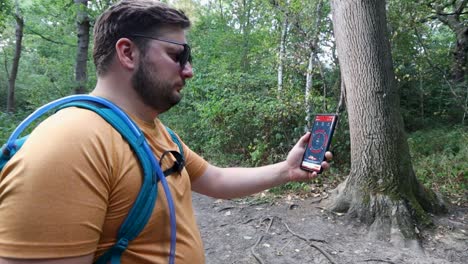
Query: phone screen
<point x="319" y="142"/>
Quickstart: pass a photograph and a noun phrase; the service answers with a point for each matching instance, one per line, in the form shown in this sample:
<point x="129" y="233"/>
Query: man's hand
<point x="294" y="159"/>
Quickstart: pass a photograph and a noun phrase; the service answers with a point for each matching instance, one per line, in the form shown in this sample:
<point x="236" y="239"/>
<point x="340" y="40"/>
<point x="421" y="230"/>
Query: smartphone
<point x="319" y="142"/>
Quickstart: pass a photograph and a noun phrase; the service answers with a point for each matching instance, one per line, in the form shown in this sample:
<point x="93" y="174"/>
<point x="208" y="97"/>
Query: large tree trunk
<point x="381" y="189"/>
<point x="81" y="74"/>
<point x="16" y="59"/>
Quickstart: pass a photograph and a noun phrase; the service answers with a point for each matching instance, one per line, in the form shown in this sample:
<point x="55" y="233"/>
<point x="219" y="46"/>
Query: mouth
<point x="180" y="86"/>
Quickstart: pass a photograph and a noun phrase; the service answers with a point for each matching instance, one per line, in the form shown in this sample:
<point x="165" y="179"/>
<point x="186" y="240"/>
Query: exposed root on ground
<point x="252" y="249"/>
<point x="308" y="240"/>
<point x="379" y="260"/>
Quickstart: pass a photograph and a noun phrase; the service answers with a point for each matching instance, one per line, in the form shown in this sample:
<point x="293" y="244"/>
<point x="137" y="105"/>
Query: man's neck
<point x="122" y="94"/>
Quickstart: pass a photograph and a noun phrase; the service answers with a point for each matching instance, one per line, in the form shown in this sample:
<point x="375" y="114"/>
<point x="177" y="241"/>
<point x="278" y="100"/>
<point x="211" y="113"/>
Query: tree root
<point x="308" y="240"/>
<point x="379" y="260"/>
<point x="303" y="238"/>
<point x="252" y="249"/>
<point x="226" y="208"/>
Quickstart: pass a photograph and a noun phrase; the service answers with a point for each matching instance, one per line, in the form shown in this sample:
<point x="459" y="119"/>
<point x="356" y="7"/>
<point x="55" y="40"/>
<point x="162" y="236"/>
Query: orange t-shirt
<point x="70" y="187"/>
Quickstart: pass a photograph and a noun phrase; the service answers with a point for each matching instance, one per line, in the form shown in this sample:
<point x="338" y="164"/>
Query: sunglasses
<point x="183" y="57"/>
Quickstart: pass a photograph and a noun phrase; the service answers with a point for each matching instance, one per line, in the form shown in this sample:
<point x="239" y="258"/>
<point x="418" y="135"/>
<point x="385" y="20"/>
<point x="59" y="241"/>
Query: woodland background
<point x="262" y="68"/>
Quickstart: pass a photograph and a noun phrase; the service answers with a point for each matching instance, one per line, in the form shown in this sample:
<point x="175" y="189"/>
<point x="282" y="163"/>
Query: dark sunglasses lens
<point x="185" y="56"/>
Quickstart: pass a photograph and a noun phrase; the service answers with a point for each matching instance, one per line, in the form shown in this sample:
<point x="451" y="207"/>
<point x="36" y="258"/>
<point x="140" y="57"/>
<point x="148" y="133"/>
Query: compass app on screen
<point x="319" y="142"/>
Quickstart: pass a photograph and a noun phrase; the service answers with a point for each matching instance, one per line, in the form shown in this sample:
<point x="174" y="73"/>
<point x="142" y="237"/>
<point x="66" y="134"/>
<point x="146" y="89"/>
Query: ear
<point x="127" y="53"/>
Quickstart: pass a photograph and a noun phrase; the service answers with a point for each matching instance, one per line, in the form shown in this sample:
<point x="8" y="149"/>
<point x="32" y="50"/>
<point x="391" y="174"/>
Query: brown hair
<point x="129" y="17"/>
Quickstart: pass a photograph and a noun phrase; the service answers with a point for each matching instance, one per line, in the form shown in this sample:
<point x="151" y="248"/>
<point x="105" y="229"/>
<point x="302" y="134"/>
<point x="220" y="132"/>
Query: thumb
<point x="304" y="139"/>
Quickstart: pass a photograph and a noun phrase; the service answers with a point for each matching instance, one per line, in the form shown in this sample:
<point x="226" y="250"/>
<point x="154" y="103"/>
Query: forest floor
<point x="296" y="229"/>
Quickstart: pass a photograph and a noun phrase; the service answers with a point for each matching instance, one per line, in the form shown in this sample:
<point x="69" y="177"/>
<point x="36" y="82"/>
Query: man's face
<point x="154" y="90"/>
<point x="159" y="77"/>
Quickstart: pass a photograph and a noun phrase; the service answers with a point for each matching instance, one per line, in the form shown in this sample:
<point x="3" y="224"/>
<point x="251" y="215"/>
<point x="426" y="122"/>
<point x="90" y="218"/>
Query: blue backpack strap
<point x="142" y="209"/>
<point x="176" y="140"/>
<point x="6" y="153"/>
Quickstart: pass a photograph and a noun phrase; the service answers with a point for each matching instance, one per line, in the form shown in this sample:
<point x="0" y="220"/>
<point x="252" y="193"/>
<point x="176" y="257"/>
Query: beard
<point x="155" y="92"/>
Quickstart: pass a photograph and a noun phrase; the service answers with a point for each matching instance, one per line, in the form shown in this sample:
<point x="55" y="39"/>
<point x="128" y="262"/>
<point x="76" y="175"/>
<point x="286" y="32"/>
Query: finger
<point x="305" y="138"/>
<point x="325" y="165"/>
<point x="328" y="155"/>
<point x="312" y="175"/>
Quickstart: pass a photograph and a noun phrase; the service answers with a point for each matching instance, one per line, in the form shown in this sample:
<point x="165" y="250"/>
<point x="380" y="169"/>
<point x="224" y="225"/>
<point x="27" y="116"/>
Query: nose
<point x="187" y="71"/>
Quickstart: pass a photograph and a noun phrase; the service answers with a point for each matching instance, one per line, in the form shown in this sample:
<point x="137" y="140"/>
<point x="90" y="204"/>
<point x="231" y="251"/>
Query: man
<point x="65" y="194"/>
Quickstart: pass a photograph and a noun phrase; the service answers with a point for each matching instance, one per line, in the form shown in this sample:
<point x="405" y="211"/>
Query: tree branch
<point x="48" y="39"/>
<point x="460" y="6"/>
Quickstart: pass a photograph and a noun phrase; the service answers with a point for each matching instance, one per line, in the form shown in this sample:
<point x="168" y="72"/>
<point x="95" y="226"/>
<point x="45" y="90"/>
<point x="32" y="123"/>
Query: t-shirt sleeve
<point x="195" y="164"/>
<point x="54" y="191"/>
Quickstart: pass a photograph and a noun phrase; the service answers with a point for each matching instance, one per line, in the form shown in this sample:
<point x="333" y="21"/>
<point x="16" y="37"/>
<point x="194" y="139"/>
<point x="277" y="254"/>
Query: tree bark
<point x="282" y="51"/>
<point x="381" y="189"/>
<point x="308" y="88"/>
<point x="16" y="60"/>
<point x="81" y="73"/>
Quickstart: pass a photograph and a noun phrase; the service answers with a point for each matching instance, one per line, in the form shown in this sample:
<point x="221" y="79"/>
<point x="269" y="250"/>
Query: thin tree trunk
<point x="16" y="60"/>
<point x="81" y="73"/>
<point x="324" y="88"/>
<point x="282" y="52"/>
<point x="313" y="49"/>
<point x="421" y="96"/>
<point x="221" y="10"/>
<point x="308" y="88"/>
<point x="466" y="107"/>
<point x="247" y="6"/>
<point x="341" y="103"/>
<point x="381" y="189"/>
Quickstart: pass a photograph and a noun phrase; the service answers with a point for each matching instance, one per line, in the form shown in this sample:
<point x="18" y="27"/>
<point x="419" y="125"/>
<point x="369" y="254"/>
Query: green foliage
<point x="5" y="10"/>
<point x="440" y="159"/>
<point x="421" y="48"/>
<point x="8" y="122"/>
<point x="295" y="187"/>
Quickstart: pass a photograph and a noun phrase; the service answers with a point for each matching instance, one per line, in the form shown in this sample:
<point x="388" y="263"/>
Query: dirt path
<point x="294" y="230"/>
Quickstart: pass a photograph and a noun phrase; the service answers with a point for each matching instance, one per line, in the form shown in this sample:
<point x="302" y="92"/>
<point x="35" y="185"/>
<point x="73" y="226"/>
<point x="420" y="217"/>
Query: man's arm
<point x="236" y="182"/>
<point x="88" y="259"/>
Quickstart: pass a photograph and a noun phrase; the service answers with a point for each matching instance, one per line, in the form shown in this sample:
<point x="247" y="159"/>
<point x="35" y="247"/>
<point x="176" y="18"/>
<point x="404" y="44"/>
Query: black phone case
<point x="319" y="142"/>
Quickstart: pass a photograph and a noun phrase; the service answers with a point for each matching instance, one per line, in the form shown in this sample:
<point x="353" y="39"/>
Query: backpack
<point x="143" y="207"/>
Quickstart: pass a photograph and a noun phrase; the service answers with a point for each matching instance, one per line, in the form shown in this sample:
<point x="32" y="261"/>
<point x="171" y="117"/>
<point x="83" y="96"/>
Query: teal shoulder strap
<point x="146" y="199"/>
<point x="176" y="140"/>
